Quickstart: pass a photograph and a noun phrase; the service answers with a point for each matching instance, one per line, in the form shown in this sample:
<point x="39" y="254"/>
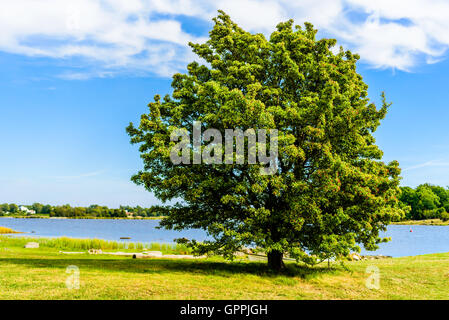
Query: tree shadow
<point x="160" y="266"/>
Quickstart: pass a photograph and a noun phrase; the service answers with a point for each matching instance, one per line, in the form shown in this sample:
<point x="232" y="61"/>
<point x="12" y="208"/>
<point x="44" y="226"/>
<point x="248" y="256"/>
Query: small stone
<point x="95" y="251"/>
<point x="355" y="257"/>
<point x="32" y="245"/>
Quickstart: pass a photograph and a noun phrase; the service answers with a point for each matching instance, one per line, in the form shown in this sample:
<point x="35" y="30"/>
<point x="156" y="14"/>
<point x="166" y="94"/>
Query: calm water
<point x="423" y="239"/>
<point x="108" y="229"/>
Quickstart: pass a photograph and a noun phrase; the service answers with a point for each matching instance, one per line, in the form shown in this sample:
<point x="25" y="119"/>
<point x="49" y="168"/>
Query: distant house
<point x="25" y="209"/>
<point x="129" y="214"/>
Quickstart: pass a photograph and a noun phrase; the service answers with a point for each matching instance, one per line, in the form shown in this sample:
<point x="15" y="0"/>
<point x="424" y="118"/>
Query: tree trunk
<point x="275" y="260"/>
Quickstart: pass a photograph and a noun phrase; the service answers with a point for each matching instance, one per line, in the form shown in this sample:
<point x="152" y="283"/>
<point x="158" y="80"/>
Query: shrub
<point x="444" y="216"/>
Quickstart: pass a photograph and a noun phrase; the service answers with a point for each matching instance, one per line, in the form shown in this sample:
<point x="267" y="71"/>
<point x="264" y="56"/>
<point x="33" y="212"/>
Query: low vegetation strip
<point x="4" y="230"/>
<point x="66" y="243"/>
<point x="93" y="211"/>
<point x="426" y="222"/>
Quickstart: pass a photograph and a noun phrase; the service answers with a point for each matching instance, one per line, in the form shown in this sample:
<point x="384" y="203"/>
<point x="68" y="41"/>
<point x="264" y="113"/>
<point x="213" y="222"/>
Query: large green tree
<point x="330" y="191"/>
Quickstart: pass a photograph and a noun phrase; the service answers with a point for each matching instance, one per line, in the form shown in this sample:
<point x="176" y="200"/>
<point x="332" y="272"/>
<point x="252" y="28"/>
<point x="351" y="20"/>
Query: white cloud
<point x="397" y="33"/>
<point x="112" y="36"/>
<point x="116" y="34"/>
<point x="432" y="163"/>
<point x="262" y="15"/>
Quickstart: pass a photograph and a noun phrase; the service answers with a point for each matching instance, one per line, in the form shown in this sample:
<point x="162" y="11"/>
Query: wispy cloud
<point x="433" y="163"/>
<point x="78" y="176"/>
<point x="115" y="36"/>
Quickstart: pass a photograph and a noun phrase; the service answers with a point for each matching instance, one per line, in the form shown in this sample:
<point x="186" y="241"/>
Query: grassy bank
<point x="41" y="274"/>
<point x="43" y="216"/>
<point x="427" y="222"/>
<point x="67" y="244"/>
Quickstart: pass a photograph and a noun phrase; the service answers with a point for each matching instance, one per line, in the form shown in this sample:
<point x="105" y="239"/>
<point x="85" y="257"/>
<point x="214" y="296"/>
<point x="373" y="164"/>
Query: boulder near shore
<point x="32" y="245"/>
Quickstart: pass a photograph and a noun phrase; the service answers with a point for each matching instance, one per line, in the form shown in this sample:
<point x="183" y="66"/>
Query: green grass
<point x="41" y="274"/>
<point x="65" y="243"/>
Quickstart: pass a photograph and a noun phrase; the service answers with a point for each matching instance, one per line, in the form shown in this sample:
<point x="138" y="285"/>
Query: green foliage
<point x="444" y="216"/>
<point x="154" y="211"/>
<point x="92" y="211"/>
<point x="13" y="208"/>
<point x="4" y="207"/>
<point x="331" y="190"/>
<point x="425" y="202"/>
<point x="37" y="207"/>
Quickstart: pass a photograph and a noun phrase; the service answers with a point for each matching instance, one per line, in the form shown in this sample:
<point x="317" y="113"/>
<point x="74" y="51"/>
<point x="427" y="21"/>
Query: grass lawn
<point x="41" y="274"/>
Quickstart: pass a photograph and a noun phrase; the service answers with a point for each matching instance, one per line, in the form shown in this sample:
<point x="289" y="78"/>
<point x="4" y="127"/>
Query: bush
<point x="444" y="216"/>
<point x="430" y="214"/>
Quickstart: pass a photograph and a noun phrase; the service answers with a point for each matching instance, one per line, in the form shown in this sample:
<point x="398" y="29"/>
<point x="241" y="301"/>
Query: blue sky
<point x="75" y="75"/>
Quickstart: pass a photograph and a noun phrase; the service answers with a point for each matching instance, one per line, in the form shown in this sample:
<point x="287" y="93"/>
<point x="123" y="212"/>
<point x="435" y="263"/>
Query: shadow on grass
<point x="160" y="266"/>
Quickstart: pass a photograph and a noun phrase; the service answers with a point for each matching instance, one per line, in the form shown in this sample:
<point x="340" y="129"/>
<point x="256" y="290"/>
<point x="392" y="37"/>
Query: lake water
<point x="423" y="239"/>
<point x="108" y="229"/>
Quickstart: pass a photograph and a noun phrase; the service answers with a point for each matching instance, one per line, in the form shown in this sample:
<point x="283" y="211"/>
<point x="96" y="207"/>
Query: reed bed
<point x="4" y="230"/>
<point x="66" y="243"/>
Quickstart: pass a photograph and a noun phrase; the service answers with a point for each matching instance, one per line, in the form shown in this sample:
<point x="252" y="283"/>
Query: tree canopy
<point x="330" y="191"/>
<point x="426" y="201"/>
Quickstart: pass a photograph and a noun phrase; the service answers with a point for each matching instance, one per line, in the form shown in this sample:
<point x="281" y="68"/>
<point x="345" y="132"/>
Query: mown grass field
<point x="41" y="274"/>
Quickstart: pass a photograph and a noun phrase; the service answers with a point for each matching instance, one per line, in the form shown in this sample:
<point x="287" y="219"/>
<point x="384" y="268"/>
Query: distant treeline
<point x="94" y="211"/>
<point x="424" y="202"/>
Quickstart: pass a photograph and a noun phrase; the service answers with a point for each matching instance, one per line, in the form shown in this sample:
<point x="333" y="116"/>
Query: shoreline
<point x="353" y="256"/>
<point x="426" y="222"/>
<point x="82" y="218"/>
<point x="23" y="237"/>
